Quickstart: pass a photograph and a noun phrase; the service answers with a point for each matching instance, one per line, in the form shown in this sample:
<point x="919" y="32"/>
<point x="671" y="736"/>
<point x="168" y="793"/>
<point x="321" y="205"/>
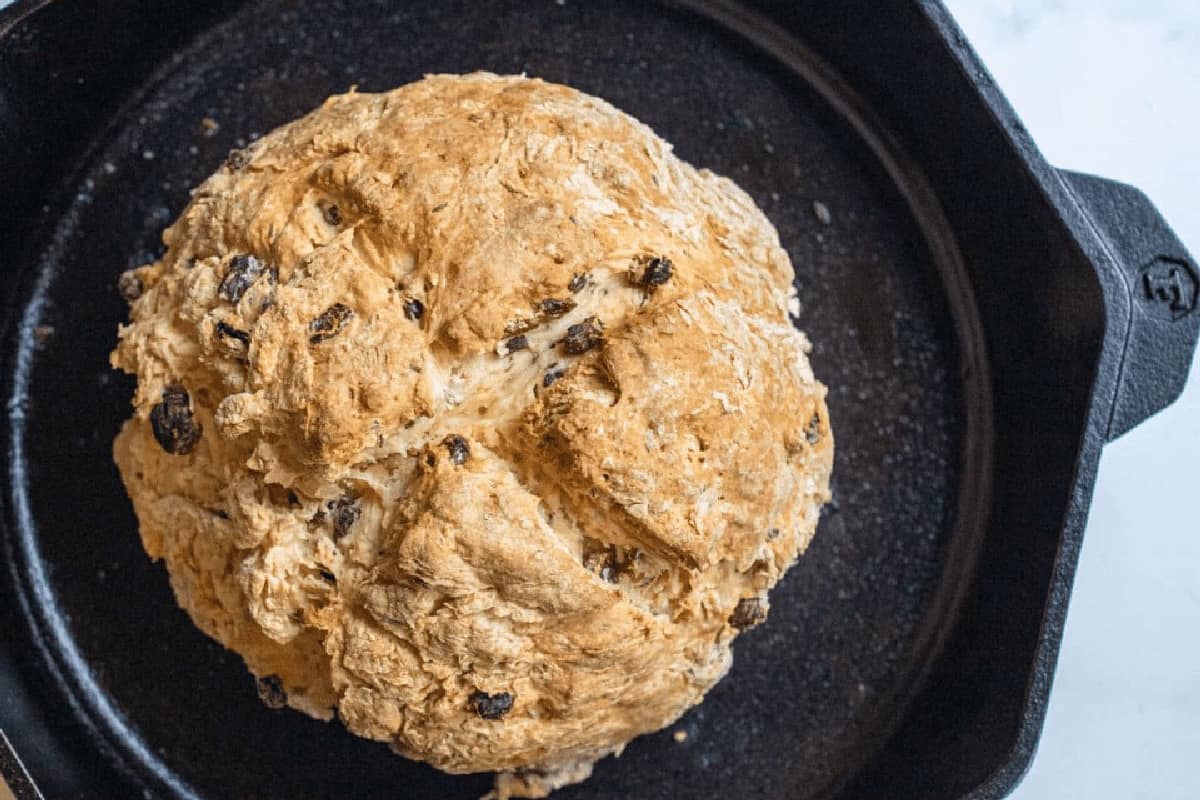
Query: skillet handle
<point x="1157" y="283"/>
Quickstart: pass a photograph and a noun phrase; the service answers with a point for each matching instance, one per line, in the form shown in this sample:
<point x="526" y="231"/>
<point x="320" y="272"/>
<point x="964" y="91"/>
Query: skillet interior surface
<point x="813" y="692"/>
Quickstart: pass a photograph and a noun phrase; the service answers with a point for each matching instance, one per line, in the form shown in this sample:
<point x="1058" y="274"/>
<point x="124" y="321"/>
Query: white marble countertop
<point x="1113" y="87"/>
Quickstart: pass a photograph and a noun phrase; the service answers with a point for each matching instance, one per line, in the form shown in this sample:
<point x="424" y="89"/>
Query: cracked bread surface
<point x="470" y="411"/>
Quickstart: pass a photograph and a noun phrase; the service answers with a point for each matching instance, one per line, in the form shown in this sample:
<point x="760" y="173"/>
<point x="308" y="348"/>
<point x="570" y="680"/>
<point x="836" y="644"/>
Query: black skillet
<point x="984" y="323"/>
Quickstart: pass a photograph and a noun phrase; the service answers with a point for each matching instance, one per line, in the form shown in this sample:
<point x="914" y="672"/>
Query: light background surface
<point x="1113" y="87"/>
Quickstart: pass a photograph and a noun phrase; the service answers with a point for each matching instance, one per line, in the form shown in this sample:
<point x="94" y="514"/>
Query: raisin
<point x="578" y="281"/>
<point x="270" y="691"/>
<point x="292" y="498"/>
<point x="237" y="160"/>
<point x="230" y="332"/>
<point x="344" y="512"/>
<point x="607" y="560"/>
<point x="458" y="448"/>
<point x="516" y="343"/>
<point x="748" y="613"/>
<point x="657" y="272"/>
<point x="332" y="321"/>
<point x="414" y="309"/>
<point x="130" y="286"/>
<point x="332" y="214"/>
<point x="491" y="706"/>
<point x="553" y="307"/>
<point x="582" y="336"/>
<point x="174" y="425"/>
<point x="813" y="431"/>
<point x="243" y="271"/>
<point x="326" y="575"/>
<point x="600" y="559"/>
<point x="551" y="376"/>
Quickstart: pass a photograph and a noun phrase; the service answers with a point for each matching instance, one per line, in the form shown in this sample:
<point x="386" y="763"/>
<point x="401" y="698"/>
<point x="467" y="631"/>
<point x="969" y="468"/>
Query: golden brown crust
<point x="497" y="428"/>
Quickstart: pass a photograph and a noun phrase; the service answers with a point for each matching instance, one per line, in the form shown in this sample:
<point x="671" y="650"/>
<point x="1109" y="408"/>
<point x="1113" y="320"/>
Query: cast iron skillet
<point x="984" y="324"/>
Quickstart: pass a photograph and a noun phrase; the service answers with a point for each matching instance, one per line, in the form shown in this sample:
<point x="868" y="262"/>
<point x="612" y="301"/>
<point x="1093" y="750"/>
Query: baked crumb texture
<point x="470" y="411"/>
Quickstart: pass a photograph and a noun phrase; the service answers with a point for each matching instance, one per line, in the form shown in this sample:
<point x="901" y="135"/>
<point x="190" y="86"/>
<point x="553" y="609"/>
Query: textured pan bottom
<point x="812" y="692"/>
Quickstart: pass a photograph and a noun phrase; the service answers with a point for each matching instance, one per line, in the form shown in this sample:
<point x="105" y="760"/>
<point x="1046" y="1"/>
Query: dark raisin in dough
<point x="332" y="321"/>
<point x="491" y="706"/>
<point x="553" y="307"/>
<point x="812" y="432"/>
<point x="658" y="271"/>
<point x="748" y="613"/>
<point x="130" y="286"/>
<point x="270" y="691"/>
<point x="237" y="160"/>
<point x="344" y="512"/>
<point x="601" y="559"/>
<point x="414" y="309"/>
<point x="458" y="448"/>
<point x="174" y="425"/>
<point x="230" y="332"/>
<point x="243" y="271"/>
<point x="582" y="336"/>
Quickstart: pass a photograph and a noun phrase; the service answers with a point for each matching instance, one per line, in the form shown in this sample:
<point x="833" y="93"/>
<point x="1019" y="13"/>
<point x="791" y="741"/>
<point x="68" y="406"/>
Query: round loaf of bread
<point x="470" y="411"/>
